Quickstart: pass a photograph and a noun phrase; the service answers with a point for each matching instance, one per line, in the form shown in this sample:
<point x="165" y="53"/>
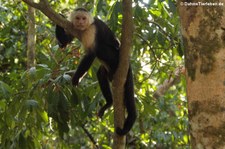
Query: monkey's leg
<point x="102" y="75"/>
<point x="129" y="102"/>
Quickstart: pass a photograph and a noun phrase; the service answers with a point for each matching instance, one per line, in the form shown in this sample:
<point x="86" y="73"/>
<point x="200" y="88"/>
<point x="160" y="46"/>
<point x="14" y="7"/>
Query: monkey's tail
<point x="130" y="105"/>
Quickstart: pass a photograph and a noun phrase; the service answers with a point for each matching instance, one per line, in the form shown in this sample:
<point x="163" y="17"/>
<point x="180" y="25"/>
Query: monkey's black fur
<point x="107" y="50"/>
<point x="62" y="37"/>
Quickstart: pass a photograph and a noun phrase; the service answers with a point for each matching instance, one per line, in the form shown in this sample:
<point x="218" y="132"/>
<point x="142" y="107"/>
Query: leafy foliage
<point x="39" y="108"/>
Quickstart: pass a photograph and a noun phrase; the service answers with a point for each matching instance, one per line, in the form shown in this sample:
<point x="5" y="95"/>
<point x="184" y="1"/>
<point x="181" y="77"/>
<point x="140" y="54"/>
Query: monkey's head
<point x="81" y="19"/>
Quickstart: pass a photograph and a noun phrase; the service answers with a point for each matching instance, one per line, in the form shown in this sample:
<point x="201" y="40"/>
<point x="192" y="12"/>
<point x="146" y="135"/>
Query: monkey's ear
<point x="62" y="37"/>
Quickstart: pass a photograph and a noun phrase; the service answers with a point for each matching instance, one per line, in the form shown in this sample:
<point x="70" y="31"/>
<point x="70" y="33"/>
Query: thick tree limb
<point x="121" y="73"/>
<point x="46" y="9"/>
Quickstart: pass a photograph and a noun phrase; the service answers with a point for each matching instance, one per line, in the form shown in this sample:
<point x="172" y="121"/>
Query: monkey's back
<point x="107" y="46"/>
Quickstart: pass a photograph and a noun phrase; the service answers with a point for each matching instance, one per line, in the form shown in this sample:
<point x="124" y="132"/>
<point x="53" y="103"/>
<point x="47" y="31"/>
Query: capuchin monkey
<point x="100" y="42"/>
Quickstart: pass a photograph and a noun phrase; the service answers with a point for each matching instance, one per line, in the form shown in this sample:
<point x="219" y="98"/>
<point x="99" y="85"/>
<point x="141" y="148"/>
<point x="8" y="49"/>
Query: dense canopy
<point x="39" y="108"/>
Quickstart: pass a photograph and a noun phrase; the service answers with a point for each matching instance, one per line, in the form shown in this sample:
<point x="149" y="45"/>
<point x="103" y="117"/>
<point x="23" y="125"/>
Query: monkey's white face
<point x="81" y="20"/>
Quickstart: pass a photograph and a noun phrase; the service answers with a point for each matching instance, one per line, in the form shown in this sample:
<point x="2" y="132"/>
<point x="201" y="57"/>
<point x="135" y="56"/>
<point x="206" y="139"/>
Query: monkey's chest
<point x="88" y="38"/>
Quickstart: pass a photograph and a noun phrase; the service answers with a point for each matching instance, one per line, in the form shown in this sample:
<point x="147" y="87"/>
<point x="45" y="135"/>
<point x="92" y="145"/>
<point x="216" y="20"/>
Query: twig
<point x="169" y="82"/>
<point x="89" y="136"/>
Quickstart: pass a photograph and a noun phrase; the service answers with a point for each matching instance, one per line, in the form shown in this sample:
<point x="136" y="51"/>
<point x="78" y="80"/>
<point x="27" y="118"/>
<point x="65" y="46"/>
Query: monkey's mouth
<point x="81" y="27"/>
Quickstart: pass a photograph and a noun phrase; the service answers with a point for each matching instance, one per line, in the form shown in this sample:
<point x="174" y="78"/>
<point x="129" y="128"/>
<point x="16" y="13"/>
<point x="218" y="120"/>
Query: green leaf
<point x="172" y="6"/>
<point x="67" y="77"/>
<point x="32" y="72"/>
<point x="43" y="115"/>
<point x="5" y="90"/>
<point x="74" y="97"/>
<point x="22" y="141"/>
<point x="31" y="104"/>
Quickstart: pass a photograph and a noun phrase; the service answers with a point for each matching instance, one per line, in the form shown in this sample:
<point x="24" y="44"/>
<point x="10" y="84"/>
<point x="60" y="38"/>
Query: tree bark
<point x="121" y="73"/>
<point x="31" y="38"/>
<point x="203" y="33"/>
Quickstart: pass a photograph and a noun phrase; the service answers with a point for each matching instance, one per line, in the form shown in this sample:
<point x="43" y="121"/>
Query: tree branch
<point x="169" y="82"/>
<point x="121" y="73"/>
<point x="32" y="4"/>
<point x="31" y="38"/>
<point x="90" y="136"/>
<point x="46" y="9"/>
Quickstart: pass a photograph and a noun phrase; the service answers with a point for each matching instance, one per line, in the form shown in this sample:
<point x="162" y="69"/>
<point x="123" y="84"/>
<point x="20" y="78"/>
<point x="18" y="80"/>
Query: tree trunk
<point x="204" y="41"/>
<point x="121" y="73"/>
<point x="31" y="38"/>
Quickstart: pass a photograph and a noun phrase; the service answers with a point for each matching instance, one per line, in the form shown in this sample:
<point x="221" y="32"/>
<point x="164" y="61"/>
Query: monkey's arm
<point x="62" y="37"/>
<point x="83" y="67"/>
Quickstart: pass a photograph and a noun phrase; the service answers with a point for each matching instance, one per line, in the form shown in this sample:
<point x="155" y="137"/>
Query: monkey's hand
<point x="75" y="80"/>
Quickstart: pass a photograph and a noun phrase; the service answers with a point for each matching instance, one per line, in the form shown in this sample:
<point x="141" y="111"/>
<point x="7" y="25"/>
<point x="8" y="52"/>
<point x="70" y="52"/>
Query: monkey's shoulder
<point x="102" y="27"/>
<point x="105" y="35"/>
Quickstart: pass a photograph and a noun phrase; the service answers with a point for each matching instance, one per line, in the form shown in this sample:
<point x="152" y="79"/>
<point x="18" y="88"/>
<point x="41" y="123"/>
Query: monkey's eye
<point x="84" y="18"/>
<point x="77" y="18"/>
